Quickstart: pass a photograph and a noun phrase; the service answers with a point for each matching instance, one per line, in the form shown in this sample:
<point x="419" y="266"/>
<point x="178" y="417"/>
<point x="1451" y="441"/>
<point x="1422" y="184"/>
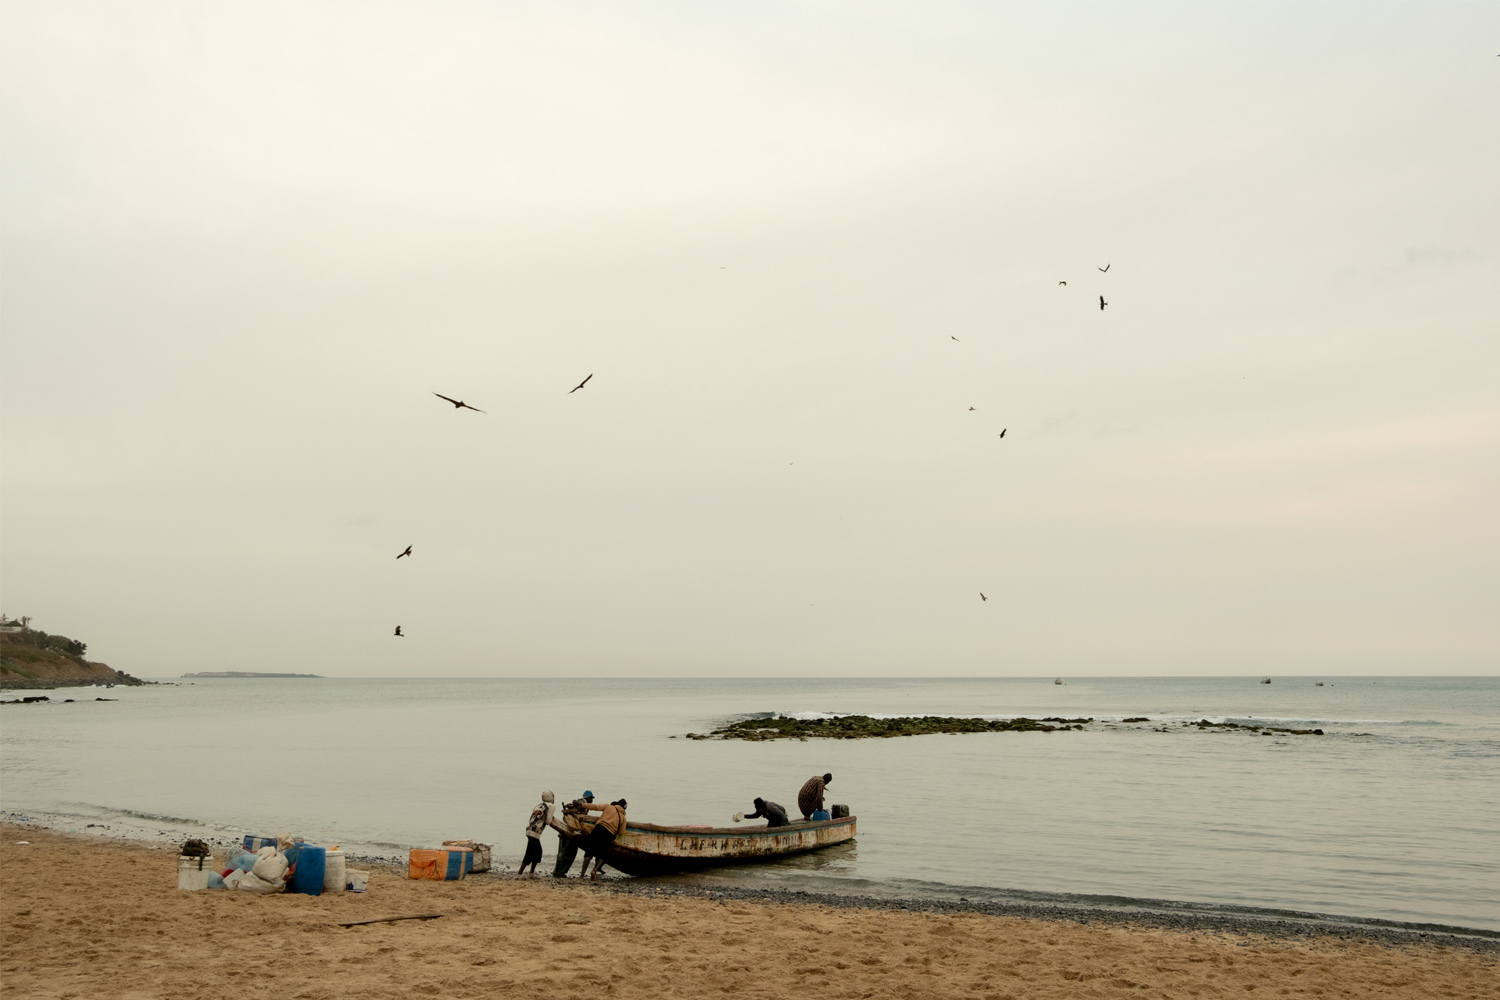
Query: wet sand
<point x="90" y="918"/>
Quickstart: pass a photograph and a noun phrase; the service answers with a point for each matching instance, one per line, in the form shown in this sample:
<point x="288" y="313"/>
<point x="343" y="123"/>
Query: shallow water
<point x="1390" y="815"/>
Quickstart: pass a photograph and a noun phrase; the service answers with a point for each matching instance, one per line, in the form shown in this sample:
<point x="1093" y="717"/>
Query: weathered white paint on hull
<point x="647" y="849"/>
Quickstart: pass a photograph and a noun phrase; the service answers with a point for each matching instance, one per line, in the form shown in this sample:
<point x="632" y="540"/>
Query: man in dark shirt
<point x="810" y="799"/>
<point x="772" y="813"/>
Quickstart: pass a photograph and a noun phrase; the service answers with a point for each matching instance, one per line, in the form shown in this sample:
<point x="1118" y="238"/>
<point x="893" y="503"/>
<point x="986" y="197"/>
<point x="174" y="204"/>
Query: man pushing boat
<point x="570" y="833"/>
<point x="609" y="825"/>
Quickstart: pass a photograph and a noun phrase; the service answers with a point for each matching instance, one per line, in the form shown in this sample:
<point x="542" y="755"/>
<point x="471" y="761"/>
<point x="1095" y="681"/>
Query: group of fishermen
<point x="595" y="843"/>
<point x="571" y="836"/>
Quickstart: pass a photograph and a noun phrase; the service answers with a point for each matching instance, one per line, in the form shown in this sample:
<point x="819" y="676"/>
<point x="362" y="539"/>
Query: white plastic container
<point x="358" y="881"/>
<point x="192" y="873"/>
<point x="335" y="875"/>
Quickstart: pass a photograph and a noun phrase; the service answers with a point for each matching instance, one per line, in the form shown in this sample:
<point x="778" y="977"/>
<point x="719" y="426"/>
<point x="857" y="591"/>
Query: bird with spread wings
<point x="458" y="404"/>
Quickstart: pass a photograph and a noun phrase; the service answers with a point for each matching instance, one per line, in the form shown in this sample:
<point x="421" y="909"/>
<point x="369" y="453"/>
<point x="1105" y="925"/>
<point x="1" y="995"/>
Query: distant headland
<point x="31" y="658"/>
<point x="243" y="673"/>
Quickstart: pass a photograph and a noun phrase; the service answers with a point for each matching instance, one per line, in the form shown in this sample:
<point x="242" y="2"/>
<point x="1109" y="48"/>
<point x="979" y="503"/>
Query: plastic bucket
<point x="335" y="874"/>
<point x="192" y="873"/>
<point x="308" y="878"/>
<point x="358" y="881"/>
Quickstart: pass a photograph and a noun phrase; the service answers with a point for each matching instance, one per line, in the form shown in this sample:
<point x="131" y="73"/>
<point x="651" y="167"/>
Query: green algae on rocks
<point x="859" y="727"/>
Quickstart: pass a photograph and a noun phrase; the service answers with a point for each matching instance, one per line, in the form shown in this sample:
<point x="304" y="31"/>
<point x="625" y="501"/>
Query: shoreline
<point x="1163" y="915"/>
<point x="89" y="917"/>
<point x="1272" y="925"/>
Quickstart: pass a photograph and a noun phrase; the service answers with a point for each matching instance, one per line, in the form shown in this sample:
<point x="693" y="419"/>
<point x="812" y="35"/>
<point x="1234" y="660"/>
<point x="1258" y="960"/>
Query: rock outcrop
<point x="36" y="660"/>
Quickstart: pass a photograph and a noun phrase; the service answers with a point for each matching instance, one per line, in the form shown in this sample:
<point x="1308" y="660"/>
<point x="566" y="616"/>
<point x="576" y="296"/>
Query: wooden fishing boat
<point x="648" y="849"/>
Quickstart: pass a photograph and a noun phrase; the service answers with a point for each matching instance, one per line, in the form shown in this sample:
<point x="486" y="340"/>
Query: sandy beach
<point x="92" y="918"/>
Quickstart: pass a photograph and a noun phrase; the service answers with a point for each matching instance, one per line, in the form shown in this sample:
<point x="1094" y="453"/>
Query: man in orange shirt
<point x="609" y="825"/>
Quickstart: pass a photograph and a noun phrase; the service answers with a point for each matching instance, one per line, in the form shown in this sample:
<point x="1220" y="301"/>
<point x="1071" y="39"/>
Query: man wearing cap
<point x="810" y="799"/>
<point x="569" y="834"/>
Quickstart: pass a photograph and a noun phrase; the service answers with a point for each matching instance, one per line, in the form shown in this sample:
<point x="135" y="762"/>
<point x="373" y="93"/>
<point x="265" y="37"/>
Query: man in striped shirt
<point x="810" y="799"/>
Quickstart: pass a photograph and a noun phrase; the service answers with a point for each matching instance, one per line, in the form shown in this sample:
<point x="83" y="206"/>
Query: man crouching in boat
<point x="772" y="813"/>
<point x="609" y="825"/>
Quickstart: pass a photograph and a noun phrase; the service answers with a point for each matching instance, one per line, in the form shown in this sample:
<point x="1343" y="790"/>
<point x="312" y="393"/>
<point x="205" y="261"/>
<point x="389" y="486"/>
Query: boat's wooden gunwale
<point x="650" y="849"/>
<point x="740" y="831"/>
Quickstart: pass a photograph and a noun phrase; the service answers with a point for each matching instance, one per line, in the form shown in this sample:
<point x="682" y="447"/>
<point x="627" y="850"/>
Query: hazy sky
<point x="243" y="244"/>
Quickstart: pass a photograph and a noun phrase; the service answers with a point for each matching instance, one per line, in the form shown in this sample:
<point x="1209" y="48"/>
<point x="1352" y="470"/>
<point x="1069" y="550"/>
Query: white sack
<point x="271" y="869"/>
<point x="249" y="883"/>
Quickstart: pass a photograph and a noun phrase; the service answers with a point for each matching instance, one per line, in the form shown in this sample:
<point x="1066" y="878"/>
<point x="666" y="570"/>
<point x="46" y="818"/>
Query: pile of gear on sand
<point x="288" y="864"/>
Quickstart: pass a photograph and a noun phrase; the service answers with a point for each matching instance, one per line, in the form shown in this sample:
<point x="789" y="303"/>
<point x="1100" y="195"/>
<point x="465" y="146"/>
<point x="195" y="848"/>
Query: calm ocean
<point x="1392" y="814"/>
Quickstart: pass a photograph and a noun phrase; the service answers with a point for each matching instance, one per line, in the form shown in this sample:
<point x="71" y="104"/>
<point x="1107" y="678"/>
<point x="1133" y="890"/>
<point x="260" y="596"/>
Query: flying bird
<point x="1002" y="432"/>
<point x="951" y="337"/>
<point x="580" y="385"/>
<point x="982" y="597"/>
<point x="1102" y="303"/>
<point x="1104" y="268"/>
<point x="398" y="631"/>
<point x="458" y="404"/>
<point x="1062" y="282"/>
<point x="971" y="409"/>
<point x="406" y="553"/>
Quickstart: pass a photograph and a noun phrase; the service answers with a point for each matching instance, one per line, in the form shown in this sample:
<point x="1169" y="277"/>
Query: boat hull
<point x="647" y="849"/>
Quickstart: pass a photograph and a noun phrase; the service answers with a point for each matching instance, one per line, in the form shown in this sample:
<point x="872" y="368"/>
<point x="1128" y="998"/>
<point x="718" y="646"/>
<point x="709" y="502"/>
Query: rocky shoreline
<point x="33" y="660"/>
<point x="53" y="683"/>
<point x="1272" y="924"/>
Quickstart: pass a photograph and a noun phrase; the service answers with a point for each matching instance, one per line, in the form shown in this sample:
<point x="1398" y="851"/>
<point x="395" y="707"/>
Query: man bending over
<point x="810" y="799"/>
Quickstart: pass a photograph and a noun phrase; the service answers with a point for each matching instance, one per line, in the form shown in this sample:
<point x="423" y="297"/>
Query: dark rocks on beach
<point x="1157" y="914"/>
<point x="856" y="727"/>
<point x="1138" y="718"/>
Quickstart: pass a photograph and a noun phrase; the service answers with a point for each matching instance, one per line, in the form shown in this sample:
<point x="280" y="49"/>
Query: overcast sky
<point x="244" y="244"/>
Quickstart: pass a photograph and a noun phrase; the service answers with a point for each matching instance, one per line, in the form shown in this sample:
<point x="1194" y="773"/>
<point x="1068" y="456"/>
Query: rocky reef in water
<point x="1267" y="730"/>
<point x="860" y="727"/>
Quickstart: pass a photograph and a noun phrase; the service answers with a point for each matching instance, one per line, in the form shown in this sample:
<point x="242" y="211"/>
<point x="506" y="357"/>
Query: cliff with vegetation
<point x="31" y="658"/>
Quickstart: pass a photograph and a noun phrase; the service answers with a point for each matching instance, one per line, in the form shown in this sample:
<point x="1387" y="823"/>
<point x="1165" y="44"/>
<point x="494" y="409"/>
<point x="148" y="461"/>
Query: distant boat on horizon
<point x="1057" y="680"/>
